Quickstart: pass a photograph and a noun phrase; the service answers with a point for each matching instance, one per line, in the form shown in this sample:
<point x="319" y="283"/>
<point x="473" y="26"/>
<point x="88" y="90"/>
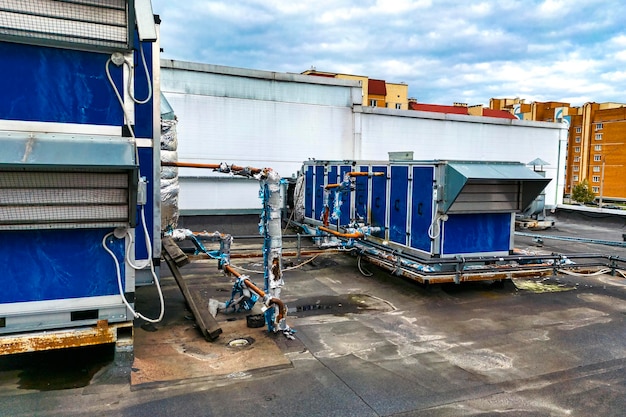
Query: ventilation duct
<point x="66" y="181"/>
<point x="94" y="25"/>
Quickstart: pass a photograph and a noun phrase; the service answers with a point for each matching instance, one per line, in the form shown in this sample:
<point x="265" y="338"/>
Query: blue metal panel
<point x="50" y="265"/>
<point x="146" y="169"/>
<point x="308" y="192"/>
<point x="143" y="112"/>
<point x="477" y="233"/>
<point x="332" y="179"/>
<point x="398" y="203"/>
<point x="319" y="192"/>
<point x="361" y="195"/>
<point x="58" y="85"/>
<point x="422" y="207"/>
<point x="332" y="174"/>
<point x="346" y="198"/>
<point x="379" y="200"/>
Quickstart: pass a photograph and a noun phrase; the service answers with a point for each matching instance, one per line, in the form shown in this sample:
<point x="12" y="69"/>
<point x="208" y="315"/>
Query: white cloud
<point x="446" y="50"/>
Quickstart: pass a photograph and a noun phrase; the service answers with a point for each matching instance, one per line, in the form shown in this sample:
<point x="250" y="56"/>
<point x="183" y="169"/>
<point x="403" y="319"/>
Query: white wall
<point x="459" y="137"/>
<point x="265" y="119"/>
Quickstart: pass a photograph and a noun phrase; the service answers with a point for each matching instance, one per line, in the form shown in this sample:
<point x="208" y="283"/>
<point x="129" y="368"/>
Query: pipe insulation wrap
<point x="170" y="187"/>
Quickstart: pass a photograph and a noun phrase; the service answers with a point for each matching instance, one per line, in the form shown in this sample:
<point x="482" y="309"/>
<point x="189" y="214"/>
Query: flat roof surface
<point x="365" y="346"/>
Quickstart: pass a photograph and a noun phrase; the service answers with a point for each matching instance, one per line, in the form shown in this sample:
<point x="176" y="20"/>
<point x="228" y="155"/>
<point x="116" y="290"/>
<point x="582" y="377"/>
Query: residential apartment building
<point x="596" y="149"/>
<point x="376" y="93"/>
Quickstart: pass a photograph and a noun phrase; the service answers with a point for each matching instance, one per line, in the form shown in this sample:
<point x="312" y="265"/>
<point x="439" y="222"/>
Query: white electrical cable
<point x="143" y="217"/>
<point x="131" y="241"/>
<point x="121" y="288"/>
<point x="362" y="270"/>
<point x="130" y="79"/>
<point x="119" y="97"/>
<point x="580" y="274"/>
<point x="433" y="225"/>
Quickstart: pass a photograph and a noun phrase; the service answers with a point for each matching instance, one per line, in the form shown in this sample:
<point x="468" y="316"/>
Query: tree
<point x="582" y="193"/>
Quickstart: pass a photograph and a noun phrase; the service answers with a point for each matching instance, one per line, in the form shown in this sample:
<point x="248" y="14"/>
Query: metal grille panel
<point x="76" y="199"/>
<point x="83" y="24"/>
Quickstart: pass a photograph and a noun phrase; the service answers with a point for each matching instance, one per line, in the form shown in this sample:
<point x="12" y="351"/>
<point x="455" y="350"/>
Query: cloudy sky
<point x="445" y="50"/>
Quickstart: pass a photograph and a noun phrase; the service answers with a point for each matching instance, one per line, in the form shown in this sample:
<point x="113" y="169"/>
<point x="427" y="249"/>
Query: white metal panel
<point x="221" y="81"/>
<point x="218" y="196"/>
<point x="261" y="134"/>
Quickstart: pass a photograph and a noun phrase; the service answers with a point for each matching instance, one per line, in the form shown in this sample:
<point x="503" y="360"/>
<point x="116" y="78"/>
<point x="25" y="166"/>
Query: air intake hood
<point x="469" y="187"/>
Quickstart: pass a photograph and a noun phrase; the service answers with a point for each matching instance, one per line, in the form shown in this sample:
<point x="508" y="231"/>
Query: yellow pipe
<point x="353" y="235"/>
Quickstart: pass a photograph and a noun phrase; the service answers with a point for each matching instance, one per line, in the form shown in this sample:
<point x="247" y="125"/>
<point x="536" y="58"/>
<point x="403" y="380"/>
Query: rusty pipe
<point x="282" y="310"/>
<point x="207" y="166"/>
<point x="353" y="235"/>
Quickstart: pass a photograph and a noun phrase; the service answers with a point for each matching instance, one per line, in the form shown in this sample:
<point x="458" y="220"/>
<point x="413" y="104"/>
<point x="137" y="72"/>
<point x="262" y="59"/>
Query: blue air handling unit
<point x="60" y="195"/>
<point x="427" y="210"/>
<point x="76" y="142"/>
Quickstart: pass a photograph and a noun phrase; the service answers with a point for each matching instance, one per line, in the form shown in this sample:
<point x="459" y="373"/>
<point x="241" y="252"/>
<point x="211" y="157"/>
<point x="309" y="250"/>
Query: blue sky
<point x="445" y="50"/>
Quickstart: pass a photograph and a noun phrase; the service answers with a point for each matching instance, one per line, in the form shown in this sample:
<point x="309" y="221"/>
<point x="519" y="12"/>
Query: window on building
<point x="575" y="168"/>
<point x="596" y="190"/>
<point x="578" y="129"/>
<point x="577" y="139"/>
<point x="577" y="149"/>
<point x="597" y="158"/>
<point x="596" y="169"/>
<point x="577" y="159"/>
<point x="599" y="126"/>
<point x="398" y="106"/>
<point x="598" y="136"/>
<point x="575" y="177"/>
<point x="373" y="102"/>
<point x="597" y="147"/>
<point x="596" y="178"/>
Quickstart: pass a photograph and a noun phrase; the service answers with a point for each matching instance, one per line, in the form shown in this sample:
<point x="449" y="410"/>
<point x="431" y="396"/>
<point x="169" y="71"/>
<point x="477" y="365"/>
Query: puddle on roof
<point x="56" y="369"/>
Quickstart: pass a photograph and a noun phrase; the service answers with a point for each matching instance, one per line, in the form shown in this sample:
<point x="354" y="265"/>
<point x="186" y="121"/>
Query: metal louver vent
<point x="64" y="199"/>
<point x="98" y="25"/>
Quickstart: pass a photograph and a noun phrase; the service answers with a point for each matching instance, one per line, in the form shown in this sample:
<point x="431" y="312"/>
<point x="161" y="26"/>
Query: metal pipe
<point x="221" y="167"/>
<point x="282" y="310"/>
<point x="352" y="235"/>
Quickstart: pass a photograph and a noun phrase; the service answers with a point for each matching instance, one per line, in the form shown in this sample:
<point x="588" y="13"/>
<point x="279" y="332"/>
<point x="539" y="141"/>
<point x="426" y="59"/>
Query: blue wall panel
<point x="319" y="192"/>
<point x="143" y="112"/>
<point x="146" y="169"/>
<point x="473" y="233"/>
<point x="361" y="196"/>
<point x="52" y="264"/>
<point x="379" y="199"/>
<point x="57" y="85"/>
<point x="398" y="204"/>
<point x="422" y="207"/>
<point x="333" y="171"/>
<point x="308" y="192"/>
<point x="346" y="198"/>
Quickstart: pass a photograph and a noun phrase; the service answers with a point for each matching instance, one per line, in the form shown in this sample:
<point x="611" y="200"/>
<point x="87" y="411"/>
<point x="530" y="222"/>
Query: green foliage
<point x="582" y="193"/>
